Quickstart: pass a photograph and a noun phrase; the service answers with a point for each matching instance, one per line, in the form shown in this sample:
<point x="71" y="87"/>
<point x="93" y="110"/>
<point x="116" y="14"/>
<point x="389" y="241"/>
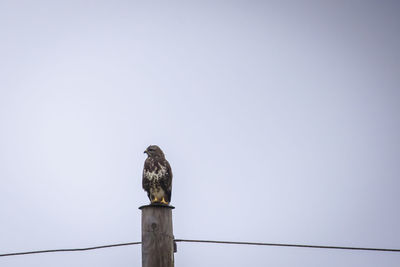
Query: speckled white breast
<point x="156" y="175"/>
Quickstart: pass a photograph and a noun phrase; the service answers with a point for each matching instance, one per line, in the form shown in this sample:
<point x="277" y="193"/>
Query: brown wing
<point x="166" y="181"/>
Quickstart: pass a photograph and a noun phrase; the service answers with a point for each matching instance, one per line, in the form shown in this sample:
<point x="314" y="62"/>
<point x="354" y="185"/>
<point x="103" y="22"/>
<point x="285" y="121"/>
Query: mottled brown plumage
<point x="157" y="176"/>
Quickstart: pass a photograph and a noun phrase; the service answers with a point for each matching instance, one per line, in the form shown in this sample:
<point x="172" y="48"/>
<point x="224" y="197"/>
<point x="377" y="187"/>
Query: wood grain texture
<point x="157" y="236"/>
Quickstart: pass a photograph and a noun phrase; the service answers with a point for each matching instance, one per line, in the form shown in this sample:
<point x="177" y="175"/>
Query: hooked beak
<point x="145" y="151"/>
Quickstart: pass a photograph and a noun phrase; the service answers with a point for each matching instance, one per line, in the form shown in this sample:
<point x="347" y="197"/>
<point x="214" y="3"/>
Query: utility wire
<point x="204" y="241"/>
<point x="285" y="245"/>
<point x="68" y="249"/>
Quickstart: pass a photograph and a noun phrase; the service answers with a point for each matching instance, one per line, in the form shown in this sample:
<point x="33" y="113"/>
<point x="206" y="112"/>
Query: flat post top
<point x="157" y="205"/>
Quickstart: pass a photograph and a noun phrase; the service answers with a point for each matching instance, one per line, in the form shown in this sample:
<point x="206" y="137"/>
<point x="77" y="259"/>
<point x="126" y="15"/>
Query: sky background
<point x="280" y="120"/>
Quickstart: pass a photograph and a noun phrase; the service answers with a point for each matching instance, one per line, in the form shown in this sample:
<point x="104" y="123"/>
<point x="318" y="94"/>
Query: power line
<point x="286" y="245"/>
<point x="203" y="241"/>
<point x="68" y="249"/>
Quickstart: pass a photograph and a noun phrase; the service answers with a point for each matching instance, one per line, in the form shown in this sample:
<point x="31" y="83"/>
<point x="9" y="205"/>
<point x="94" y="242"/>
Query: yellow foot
<point x="164" y="202"/>
<point x="155" y="200"/>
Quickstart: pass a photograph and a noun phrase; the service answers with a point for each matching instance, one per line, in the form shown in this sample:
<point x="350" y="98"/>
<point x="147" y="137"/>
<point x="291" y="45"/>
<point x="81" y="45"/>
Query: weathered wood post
<point x="157" y="236"/>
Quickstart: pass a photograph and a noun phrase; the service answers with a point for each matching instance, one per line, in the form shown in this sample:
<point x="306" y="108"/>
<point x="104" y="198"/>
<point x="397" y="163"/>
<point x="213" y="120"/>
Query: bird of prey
<point x="157" y="176"/>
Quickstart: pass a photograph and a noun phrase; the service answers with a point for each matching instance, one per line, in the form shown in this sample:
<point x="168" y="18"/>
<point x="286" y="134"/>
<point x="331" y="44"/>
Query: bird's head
<point x="154" y="151"/>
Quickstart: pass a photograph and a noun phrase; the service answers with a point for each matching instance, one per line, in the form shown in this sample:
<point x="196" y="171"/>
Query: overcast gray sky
<point x="280" y="120"/>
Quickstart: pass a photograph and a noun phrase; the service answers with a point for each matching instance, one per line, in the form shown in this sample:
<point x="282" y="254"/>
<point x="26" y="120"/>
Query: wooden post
<point x="157" y="236"/>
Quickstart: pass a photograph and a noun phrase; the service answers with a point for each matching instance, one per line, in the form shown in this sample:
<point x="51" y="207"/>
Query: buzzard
<point x="157" y="176"/>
